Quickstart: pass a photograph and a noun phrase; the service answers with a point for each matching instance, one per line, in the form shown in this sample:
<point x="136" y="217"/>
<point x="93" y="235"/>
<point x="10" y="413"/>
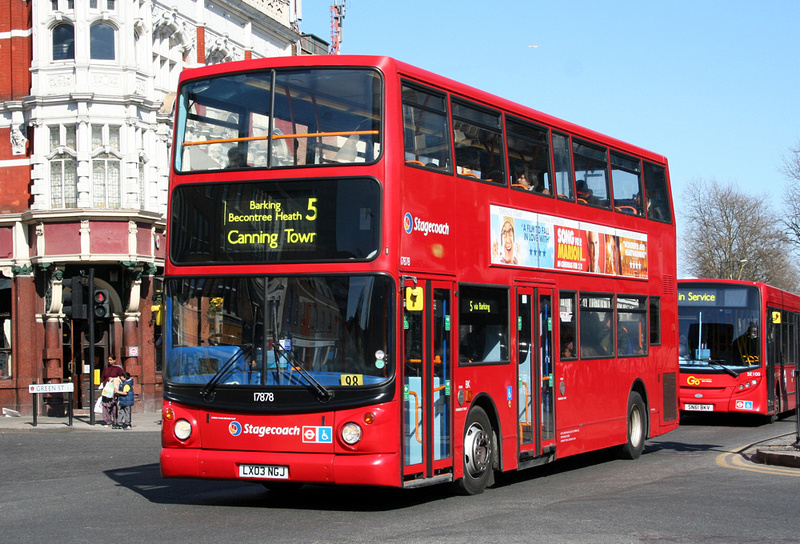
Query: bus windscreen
<point x="279" y="119"/>
<point x="719" y="326"/>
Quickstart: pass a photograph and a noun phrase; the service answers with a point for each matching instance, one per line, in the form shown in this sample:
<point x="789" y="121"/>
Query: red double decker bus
<point x="739" y="347"/>
<point x="379" y="276"/>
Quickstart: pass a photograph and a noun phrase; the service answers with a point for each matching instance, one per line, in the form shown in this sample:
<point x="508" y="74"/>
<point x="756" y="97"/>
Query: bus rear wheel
<point x="637" y="427"/>
<point x="478" y="453"/>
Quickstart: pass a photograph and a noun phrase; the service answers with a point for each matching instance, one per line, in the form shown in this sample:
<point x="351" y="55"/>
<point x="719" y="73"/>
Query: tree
<point x="791" y="200"/>
<point x="733" y="235"/>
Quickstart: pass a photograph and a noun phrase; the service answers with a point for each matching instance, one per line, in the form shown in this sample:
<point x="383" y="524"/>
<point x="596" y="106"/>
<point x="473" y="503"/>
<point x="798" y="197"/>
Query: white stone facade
<point x="104" y="120"/>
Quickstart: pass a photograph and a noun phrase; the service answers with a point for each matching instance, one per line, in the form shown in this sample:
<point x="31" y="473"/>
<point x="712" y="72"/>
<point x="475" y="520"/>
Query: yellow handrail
<point x="417" y="409"/>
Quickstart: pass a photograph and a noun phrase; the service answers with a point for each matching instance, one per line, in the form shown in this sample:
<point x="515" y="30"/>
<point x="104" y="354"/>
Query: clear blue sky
<point x="713" y="85"/>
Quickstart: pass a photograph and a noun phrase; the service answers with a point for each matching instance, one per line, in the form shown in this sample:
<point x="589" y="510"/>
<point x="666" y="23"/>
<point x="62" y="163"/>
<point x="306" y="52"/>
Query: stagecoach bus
<point x="738" y="347"/>
<point x="380" y="276"/>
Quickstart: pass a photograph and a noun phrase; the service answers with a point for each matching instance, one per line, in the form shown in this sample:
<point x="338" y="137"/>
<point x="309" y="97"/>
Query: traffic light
<point x="101" y="304"/>
<point x="73" y="303"/>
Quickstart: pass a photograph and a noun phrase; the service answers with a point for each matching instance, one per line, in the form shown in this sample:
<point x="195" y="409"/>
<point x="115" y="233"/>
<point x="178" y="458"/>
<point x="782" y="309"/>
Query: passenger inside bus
<point x="585" y="194"/>
<point x="656" y="208"/>
<point x="236" y="158"/>
<point x="523" y="182"/>
<point x="746" y="347"/>
<point x="567" y="342"/>
<point x="596" y="330"/>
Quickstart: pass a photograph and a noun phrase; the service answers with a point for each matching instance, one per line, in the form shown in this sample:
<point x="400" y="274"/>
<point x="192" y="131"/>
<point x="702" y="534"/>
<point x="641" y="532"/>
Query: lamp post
<point x="742" y="262"/>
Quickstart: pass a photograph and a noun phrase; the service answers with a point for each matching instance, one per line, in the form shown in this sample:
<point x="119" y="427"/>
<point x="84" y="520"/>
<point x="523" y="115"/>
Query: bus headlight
<point x="351" y="433"/>
<point x="182" y="429"/>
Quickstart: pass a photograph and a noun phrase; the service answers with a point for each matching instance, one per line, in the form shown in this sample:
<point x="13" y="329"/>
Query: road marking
<point x="737" y="460"/>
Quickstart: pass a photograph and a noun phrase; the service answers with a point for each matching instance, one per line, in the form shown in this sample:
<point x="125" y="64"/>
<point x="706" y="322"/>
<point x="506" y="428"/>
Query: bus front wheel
<point x="478" y="453"/>
<point x="637" y="427"/>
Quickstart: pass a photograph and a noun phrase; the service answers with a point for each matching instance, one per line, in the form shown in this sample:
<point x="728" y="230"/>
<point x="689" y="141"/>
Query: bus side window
<point x="655" y="187"/>
<point x="483" y="334"/>
<point x="425" y="129"/>
<point x="567" y="317"/>
<point x="478" y="142"/>
<point x="596" y="326"/>
<point x="631" y="325"/>
<point x="627" y="184"/>
<point x="562" y="163"/>
<point x="528" y="157"/>
<point x="591" y="171"/>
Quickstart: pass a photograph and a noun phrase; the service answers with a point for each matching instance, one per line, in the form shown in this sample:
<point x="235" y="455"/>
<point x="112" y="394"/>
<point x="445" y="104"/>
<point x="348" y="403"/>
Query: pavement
<point x="81" y="422"/>
<point x="782" y="450"/>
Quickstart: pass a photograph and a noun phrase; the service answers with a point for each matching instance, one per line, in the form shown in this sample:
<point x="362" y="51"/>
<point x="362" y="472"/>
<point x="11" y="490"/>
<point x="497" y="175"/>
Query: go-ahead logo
<point x="694" y="380"/>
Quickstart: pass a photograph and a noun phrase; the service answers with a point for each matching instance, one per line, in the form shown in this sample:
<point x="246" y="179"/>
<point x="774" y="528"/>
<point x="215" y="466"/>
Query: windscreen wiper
<point x="207" y="392"/>
<point x="320" y="390"/>
<point x="724" y="367"/>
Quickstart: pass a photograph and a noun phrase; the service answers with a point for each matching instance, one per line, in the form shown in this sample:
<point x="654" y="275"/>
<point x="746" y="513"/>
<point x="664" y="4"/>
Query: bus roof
<point x="390" y="65"/>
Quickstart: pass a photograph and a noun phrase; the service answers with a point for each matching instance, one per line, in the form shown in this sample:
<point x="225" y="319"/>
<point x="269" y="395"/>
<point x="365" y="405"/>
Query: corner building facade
<point x="85" y="136"/>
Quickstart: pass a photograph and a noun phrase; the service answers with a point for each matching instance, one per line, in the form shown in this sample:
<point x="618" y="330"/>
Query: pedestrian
<point x="110" y="382"/>
<point x="125" y="394"/>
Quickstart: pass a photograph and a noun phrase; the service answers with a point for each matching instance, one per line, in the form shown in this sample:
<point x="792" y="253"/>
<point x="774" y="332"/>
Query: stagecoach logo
<point x="411" y="223"/>
<point x="408" y="223"/>
<point x="236" y="429"/>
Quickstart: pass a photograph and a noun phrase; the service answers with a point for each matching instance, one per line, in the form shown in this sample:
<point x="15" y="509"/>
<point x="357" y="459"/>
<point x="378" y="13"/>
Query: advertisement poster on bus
<point x="538" y="240"/>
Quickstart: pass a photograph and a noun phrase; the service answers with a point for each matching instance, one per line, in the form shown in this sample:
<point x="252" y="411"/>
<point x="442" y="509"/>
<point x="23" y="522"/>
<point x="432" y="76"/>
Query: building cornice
<point x="77" y="215"/>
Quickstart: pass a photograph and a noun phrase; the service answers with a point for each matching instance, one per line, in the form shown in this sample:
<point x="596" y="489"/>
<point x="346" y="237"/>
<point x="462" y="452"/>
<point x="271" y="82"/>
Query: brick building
<point x="85" y="136"/>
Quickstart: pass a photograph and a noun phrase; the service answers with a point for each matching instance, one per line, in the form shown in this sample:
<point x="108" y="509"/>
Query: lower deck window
<point x="483" y="324"/>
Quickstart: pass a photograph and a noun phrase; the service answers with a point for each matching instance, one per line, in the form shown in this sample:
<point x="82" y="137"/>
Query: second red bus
<point x="739" y="347"/>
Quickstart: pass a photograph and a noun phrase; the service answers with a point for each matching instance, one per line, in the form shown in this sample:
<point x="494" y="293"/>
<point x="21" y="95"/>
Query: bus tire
<point x="637" y="427"/>
<point x="772" y="418"/>
<point x="478" y="453"/>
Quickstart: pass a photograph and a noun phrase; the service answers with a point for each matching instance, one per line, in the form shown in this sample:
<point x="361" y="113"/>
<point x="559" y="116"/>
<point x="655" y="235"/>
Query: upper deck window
<point x="591" y="174"/>
<point x="279" y="119"/>
<point x="425" y="129"/>
<point x="529" y="157"/>
<point x="478" y="139"/>
<point x="563" y="167"/>
<point x="655" y="186"/>
<point x="626" y="178"/>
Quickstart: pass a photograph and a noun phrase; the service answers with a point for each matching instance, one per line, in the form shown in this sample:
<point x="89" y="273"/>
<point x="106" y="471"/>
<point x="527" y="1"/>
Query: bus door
<point x="773" y="319"/>
<point x="427" y="375"/>
<point x="536" y="403"/>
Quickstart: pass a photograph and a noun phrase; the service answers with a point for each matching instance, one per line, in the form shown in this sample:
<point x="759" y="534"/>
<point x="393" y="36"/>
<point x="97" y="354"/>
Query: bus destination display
<point x="271" y="223"/>
<point x="295" y="221"/>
